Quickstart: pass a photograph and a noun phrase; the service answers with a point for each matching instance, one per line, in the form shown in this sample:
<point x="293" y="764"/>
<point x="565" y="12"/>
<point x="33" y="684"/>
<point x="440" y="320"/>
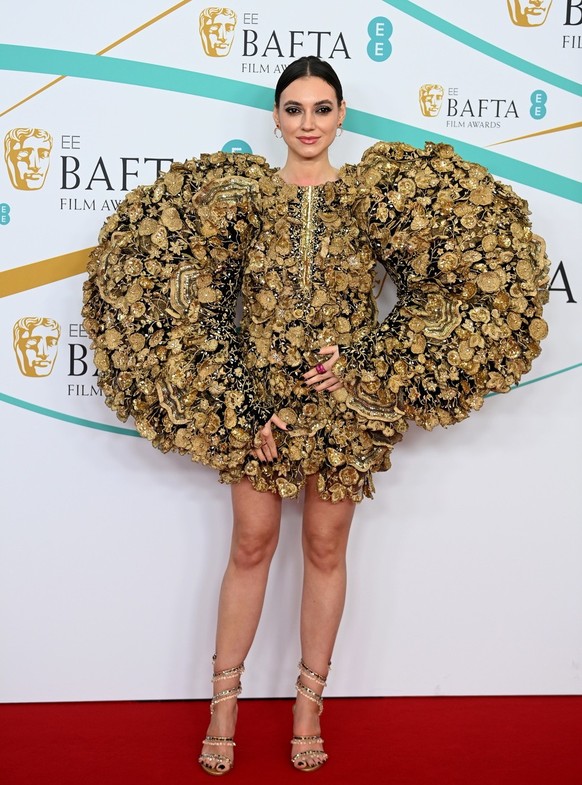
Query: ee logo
<point x="4" y="213"/>
<point x="236" y="146"/>
<point x="538" y="104"/>
<point x="379" y="47"/>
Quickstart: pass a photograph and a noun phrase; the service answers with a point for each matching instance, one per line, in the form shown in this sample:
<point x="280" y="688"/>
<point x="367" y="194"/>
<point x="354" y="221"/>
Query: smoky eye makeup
<point x="323" y="108"/>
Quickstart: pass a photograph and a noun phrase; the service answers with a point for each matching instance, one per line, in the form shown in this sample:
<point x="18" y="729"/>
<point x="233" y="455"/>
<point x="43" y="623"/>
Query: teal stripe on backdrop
<point x="541" y="378"/>
<point x="52" y="61"/>
<point x="31" y="407"/>
<point x="452" y="31"/>
<point x="114" y="69"/>
<point x="502" y="165"/>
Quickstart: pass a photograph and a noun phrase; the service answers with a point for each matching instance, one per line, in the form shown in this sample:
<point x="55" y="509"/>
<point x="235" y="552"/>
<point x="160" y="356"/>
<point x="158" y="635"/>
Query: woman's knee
<point x="256" y="524"/>
<point x="326" y="529"/>
<point x="325" y="550"/>
<point x="251" y="549"/>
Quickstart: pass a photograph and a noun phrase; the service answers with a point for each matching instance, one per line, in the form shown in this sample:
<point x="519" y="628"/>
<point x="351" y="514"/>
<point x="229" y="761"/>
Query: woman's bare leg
<point x="255" y="533"/>
<point x="326" y="529"/>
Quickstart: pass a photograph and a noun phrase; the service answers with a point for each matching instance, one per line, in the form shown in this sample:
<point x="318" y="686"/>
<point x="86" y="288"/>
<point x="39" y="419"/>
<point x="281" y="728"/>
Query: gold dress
<point x="160" y="305"/>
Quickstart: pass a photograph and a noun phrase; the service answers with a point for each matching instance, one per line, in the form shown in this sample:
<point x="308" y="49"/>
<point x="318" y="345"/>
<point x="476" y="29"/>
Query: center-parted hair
<point x="309" y="66"/>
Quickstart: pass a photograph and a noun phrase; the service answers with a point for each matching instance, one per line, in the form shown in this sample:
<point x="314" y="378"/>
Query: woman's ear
<point x="342" y="112"/>
<point x="276" y="116"/>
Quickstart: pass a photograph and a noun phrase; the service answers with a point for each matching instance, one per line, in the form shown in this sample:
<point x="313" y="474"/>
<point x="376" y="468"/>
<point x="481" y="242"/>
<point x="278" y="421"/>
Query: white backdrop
<point x="465" y="570"/>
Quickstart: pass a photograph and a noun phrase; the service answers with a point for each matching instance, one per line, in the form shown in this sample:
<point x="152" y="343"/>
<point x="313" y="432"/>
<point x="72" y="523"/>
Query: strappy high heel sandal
<point x="214" y="762"/>
<point x="301" y="759"/>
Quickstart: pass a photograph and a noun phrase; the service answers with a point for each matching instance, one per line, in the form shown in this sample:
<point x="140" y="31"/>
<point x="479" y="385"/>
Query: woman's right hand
<point x="265" y="446"/>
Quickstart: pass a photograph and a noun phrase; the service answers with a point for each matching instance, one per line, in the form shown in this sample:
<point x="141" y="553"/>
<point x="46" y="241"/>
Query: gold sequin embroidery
<point x="160" y="304"/>
<point x="307" y="235"/>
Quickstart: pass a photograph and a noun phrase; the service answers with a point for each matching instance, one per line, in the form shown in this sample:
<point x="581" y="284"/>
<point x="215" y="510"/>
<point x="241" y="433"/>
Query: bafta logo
<point x="27" y="154"/>
<point x="430" y="97"/>
<point x="36" y="341"/>
<point x="529" y="13"/>
<point x="217" y="31"/>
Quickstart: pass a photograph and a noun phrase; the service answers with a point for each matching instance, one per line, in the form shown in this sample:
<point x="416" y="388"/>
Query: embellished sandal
<point x="214" y="762"/>
<point x="301" y="759"/>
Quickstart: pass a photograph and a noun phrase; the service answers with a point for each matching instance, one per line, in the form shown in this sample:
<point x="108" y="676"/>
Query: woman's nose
<point x="308" y="120"/>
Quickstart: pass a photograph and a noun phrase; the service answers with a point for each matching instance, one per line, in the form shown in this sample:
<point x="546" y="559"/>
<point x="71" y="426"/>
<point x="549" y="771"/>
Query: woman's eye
<point x="324" y="109"/>
<point x="292" y="110"/>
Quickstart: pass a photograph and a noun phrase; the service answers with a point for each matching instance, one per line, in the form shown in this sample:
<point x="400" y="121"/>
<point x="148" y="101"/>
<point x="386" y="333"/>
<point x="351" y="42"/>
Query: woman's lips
<point x="308" y="139"/>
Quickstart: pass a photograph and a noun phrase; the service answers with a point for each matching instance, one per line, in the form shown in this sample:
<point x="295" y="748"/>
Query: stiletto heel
<point x="213" y="762"/>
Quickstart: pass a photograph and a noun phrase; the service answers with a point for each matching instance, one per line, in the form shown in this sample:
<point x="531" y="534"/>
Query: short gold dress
<point x="160" y="304"/>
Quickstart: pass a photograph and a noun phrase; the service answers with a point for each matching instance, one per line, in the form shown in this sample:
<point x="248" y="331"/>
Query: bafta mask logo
<point x="529" y="13"/>
<point x="217" y="31"/>
<point x="430" y="97"/>
<point x="27" y="154"/>
<point x="36" y="341"/>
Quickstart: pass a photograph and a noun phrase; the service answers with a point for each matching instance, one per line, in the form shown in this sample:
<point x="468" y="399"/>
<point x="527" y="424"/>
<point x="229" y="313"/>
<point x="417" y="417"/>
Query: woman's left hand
<point x="321" y="377"/>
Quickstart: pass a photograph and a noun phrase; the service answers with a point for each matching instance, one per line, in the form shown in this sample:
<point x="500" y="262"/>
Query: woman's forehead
<point x="308" y="89"/>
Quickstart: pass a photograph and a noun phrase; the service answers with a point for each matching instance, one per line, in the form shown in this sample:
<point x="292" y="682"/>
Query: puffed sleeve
<point x="471" y="280"/>
<point x="160" y="302"/>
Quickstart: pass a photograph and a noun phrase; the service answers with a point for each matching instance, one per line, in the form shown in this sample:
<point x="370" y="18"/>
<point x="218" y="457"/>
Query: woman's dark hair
<point x="309" y="66"/>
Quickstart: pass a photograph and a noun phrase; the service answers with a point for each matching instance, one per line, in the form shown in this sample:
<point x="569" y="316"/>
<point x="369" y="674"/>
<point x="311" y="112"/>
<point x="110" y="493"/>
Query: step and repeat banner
<point x="465" y="569"/>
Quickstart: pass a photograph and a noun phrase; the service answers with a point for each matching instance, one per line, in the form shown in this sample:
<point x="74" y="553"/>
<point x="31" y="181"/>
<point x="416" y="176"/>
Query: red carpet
<point x="396" y="741"/>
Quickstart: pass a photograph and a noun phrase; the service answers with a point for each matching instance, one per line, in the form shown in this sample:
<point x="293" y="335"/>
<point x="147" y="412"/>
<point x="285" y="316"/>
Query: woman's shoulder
<point x="389" y="161"/>
<point x="212" y="178"/>
<point x="382" y="160"/>
<point x="401" y="151"/>
<point x="221" y="165"/>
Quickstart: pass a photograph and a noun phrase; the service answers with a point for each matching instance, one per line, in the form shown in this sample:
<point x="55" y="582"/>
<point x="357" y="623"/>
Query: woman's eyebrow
<point x="298" y="103"/>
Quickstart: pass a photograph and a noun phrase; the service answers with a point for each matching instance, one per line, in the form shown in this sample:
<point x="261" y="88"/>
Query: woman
<point x="312" y="393"/>
<point x="309" y="111"/>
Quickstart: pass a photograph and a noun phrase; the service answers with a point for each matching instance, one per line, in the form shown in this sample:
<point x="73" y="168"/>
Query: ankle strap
<point x="228" y="673"/>
<point x="232" y="692"/>
<point x="224" y="695"/>
<point x="306" y="691"/>
<point x="310" y="694"/>
<point x="305" y="671"/>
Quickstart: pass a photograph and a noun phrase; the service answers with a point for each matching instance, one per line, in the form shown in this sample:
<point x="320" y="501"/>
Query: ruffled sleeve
<point x="471" y="282"/>
<point x="160" y="305"/>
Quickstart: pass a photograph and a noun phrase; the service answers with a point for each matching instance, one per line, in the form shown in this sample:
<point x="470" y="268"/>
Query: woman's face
<point x="308" y="115"/>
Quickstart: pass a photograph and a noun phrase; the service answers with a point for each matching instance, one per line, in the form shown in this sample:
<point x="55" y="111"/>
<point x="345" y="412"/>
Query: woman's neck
<point x="308" y="172"/>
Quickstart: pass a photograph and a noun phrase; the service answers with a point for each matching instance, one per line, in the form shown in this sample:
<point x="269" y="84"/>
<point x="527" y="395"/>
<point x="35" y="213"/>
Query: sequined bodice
<point x="307" y="279"/>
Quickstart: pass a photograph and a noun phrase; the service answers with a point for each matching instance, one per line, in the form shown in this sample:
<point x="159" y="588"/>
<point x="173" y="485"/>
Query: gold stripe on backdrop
<point x="539" y="133"/>
<point x="30" y="276"/>
<point x="102" y="52"/>
<point x="143" y="27"/>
